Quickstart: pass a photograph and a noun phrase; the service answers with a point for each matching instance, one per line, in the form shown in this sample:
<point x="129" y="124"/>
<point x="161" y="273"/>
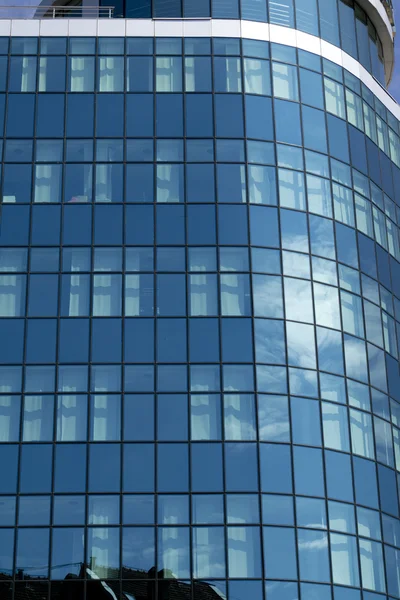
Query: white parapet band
<point x="199" y="28"/>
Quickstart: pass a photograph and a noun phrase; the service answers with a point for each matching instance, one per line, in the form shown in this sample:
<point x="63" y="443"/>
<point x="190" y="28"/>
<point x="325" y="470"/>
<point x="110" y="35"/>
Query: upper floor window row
<point x="340" y="22"/>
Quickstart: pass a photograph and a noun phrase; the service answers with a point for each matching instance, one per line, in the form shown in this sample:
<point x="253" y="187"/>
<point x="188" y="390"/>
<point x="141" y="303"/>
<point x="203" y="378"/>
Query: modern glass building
<point x="199" y="301"/>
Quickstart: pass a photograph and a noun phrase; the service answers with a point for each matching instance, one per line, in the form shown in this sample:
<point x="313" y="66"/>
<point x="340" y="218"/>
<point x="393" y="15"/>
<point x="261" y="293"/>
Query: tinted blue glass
<point x="204" y="340"/>
<point x="33" y="553"/>
<point x="236" y="340"/>
<point x="67" y="550"/>
<point x="139" y="115"/>
<point x="8" y="483"/>
<point x="269" y="338"/>
<point x="346" y="245"/>
<point x="388" y="490"/>
<point x="104" y="471"/>
<point x="313" y="555"/>
<point x="232" y="225"/>
<point x="245" y="589"/>
<point x="311" y="88"/>
<point x="138" y="473"/>
<point x="259" y="122"/>
<point x="315" y="591"/>
<point x="338" y="139"/>
<point x="287" y="122"/>
<point x="70" y="480"/>
<point x="199" y="115"/>
<point x="139" y="340"/>
<point x="201" y="227"/>
<point x="171" y="340"/>
<point x="108" y="225"/>
<point x="170" y="225"/>
<point x="139" y="225"/>
<point x="338" y="476"/>
<point x="308" y="470"/>
<point x="20" y="115"/>
<point x="8" y="506"/>
<point x="225" y="10"/>
<point x="15" y="225"/>
<point x="106" y="340"/>
<point x="69" y="332"/>
<point x="229" y="115"/>
<point x="17" y="183"/>
<point x="279" y="590"/>
<point x="41" y="340"/>
<point x="80" y="115"/>
<point x="167" y="105"/>
<point x="12" y="330"/>
<point x="280" y="553"/>
<point x="206" y="479"/>
<point x="276" y="470"/>
<point x="314" y="129"/>
<point x="106" y="105"/>
<point x="36" y="468"/>
<point x="173" y="468"/>
<point x="188" y="327"/>
<point x="241" y="467"/>
<point x="50" y="115"/>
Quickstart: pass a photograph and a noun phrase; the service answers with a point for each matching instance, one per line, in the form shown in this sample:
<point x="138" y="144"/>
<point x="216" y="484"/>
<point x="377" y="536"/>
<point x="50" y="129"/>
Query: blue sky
<point x="395" y="84"/>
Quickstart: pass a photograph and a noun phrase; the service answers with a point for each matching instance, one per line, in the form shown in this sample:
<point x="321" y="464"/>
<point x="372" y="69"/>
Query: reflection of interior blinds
<point x="67" y="418"/>
<point x="231" y="295"/>
<point x="104" y="183"/>
<point x="101" y="412"/>
<point x="306" y="21"/>
<point x="132" y="295"/>
<point x="43" y="74"/>
<point x="107" y="74"/>
<point x="5" y="418"/>
<point x="103" y="295"/>
<point x="198" y="294"/>
<point x="47" y="183"/>
<point x="10" y="295"/>
<point x="202" y="408"/>
<point x="77" y="74"/>
<point x="33" y="418"/>
<point x="26" y="75"/>
<point x="168" y="183"/>
<point x="78" y="292"/>
<point x="280" y="13"/>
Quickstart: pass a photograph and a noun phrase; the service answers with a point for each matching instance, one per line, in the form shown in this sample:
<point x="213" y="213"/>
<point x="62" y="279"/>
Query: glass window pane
<point x="168" y="74"/>
<point x="81" y="74"/>
<point x="105" y="417"/>
<point x="244" y="557"/>
<point x="285" y="81"/>
<point x="71" y="418"/>
<point x="344" y="560"/>
<point x="38" y="418"/>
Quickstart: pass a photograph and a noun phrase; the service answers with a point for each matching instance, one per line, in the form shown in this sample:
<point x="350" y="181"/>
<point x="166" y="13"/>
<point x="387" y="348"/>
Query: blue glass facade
<point x="200" y="320"/>
<point x="343" y="23"/>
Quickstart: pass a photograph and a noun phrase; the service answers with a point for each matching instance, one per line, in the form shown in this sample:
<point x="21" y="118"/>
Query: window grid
<point x="287" y="305"/>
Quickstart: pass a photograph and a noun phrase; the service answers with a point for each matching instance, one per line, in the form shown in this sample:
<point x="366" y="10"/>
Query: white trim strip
<point x="199" y="28"/>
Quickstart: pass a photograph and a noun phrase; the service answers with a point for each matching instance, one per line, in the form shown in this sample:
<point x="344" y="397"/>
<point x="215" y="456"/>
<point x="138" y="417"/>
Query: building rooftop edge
<point x="381" y="14"/>
<point x="202" y="27"/>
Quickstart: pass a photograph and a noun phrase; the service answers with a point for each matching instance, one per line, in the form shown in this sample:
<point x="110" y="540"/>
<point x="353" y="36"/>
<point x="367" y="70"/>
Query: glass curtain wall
<point x="200" y="319"/>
